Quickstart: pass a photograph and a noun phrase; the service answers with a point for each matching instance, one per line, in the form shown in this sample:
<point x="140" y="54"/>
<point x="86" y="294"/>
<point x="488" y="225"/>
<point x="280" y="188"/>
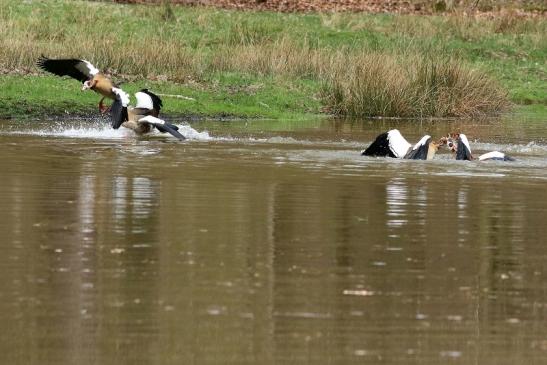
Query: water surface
<point x="270" y="242"/>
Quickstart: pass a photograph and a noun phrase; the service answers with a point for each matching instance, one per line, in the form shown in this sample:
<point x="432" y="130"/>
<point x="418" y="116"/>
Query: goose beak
<point x="448" y="142"/>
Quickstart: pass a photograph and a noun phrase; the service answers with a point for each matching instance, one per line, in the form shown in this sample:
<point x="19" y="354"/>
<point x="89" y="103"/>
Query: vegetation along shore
<point x="212" y="62"/>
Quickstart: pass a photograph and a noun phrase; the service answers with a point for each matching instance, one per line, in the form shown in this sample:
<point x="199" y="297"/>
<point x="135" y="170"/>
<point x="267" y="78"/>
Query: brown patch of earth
<point x="424" y="7"/>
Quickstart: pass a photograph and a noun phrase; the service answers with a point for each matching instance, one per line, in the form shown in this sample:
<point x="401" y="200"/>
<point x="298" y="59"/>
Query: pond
<point x="267" y="242"/>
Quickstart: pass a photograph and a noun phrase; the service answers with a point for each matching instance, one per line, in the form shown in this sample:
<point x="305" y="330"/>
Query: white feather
<point x="422" y="142"/>
<point x="491" y="155"/>
<point x="151" y="120"/>
<point x="397" y="143"/>
<point x="144" y="101"/>
<point x="92" y="69"/>
<point x="463" y="138"/>
<point x="122" y="96"/>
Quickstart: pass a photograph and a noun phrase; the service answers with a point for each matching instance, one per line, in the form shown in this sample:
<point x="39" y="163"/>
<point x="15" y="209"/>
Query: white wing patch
<point x="397" y="143"/>
<point x="151" y="120"/>
<point x="422" y="142"/>
<point x="493" y="154"/>
<point x="92" y="69"/>
<point x="463" y="138"/>
<point x="121" y="95"/>
<point x="144" y="101"/>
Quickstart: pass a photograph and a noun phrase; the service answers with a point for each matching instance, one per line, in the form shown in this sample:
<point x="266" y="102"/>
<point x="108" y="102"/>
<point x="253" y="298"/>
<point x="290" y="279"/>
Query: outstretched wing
<point x="118" y="110"/>
<point x="380" y="147"/>
<point x="397" y="143"/>
<point x="162" y="126"/>
<point x="390" y="143"/>
<point x="80" y="70"/>
<point x="149" y="98"/>
<point x="463" y="151"/>
<point x="420" y="149"/>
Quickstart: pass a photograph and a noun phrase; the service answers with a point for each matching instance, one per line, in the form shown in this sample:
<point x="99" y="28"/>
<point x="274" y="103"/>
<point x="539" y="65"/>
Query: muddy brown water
<point x="271" y="243"/>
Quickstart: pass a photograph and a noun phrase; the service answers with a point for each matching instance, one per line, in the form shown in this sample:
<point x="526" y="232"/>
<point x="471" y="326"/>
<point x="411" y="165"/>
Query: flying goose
<point x="143" y="117"/>
<point x="459" y="145"/>
<point x="84" y="72"/>
<point x="393" y="144"/>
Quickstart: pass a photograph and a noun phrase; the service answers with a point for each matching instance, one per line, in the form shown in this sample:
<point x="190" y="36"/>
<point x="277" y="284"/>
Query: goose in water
<point x="393" y="144"/>
<point x="84" y="72"/>
<point x="459" y="145"/>
<point x="143" y="117"/>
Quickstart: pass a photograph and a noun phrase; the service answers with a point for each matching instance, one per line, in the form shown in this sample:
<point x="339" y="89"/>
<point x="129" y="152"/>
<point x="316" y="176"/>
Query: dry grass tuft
<point x="417" y="86"/>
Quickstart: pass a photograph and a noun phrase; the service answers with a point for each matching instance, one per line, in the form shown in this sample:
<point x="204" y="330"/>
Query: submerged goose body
<point x="143" y="117"/>
<point x="459" y="145"/>
<point x="393" y="144"/>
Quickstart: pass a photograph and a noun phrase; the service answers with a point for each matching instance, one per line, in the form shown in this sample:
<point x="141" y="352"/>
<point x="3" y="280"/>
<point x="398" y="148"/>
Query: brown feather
<point x="133" y="115"/>
<point x="103" y="85"/>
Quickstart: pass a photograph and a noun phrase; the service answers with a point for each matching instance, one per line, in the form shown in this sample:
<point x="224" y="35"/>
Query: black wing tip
<point x="367" y="152"/>
<point x="172" y="130"/>
<point x="63" y="67"/>
<point x="419" y="153"/>
<point x="172" y="126"/>
<point x="379" y="147"/>
<point x="125" y="117"/>
<point x="41" y="62"/>
<point x="116" y="123"/>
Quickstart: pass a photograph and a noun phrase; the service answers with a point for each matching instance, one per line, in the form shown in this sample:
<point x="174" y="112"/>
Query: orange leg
<point x="102" y="108"/>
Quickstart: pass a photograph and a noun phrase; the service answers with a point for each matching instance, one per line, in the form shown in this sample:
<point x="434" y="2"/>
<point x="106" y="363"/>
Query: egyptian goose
<point x="84" y="72"/>
<point x="393" y="144"/>
<point x="459" y="145"/>
<point x="143" y="117"/>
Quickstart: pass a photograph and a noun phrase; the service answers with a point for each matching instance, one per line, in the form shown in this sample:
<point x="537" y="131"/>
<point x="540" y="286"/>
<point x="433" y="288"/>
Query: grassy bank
<point x="275" y="65"/>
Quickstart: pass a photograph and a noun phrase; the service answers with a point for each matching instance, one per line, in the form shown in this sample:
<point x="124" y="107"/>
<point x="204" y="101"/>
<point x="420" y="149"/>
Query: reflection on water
<point x="269" y="247"/>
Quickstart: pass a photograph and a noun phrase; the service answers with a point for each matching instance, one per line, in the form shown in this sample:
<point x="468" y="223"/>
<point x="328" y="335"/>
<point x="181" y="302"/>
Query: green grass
<point x="249" y="64"/>
<point x="35" y="96"/>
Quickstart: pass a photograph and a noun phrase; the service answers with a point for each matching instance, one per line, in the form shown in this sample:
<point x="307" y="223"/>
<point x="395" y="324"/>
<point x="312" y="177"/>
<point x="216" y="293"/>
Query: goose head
<point x="86" y="85"/>
<point x="458" y="144"/>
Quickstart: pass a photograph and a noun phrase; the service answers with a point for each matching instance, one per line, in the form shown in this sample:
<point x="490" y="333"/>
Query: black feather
<point x="64" y="67"/>
<point x="419" y="153"/>
<point x="380" y="147"/>
<point x="462" y="152"/>
<point x="156" y="101"/>
<point x="118" y="114"/>
<point x="171" y="129"/>
<point x="170" y="126"/>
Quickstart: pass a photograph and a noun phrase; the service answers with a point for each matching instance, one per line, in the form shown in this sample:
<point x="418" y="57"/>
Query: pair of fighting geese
<point x="142" y="118"/>
<point x="393" y="144"/>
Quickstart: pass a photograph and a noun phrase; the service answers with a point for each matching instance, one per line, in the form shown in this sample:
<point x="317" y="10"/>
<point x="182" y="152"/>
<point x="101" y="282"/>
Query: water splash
<point x="531" y="148"/>
<point x="192" y="134"/>
<point x="94" y="129"/>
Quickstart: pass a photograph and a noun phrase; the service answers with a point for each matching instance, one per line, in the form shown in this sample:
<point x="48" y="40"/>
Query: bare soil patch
<point x="528" y="8"/>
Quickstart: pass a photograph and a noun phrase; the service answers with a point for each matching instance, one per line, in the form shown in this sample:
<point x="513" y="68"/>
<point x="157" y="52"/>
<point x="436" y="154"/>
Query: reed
<point x="413" y="86"/>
